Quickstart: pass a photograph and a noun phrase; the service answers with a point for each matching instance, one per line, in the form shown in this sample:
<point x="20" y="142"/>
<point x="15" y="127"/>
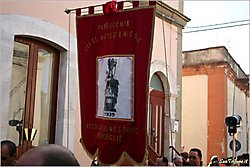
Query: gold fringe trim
<point x="123" y="157"/>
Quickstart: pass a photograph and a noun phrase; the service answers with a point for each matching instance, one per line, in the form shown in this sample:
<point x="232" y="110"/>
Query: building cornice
<point x="217" y="54"/>
<point x="214" y="67"/>
<point x="171" y="15"/>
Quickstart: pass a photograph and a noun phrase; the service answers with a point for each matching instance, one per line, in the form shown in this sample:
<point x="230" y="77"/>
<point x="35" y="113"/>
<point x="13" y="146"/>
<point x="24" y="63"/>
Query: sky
<point x="235" y="39"/>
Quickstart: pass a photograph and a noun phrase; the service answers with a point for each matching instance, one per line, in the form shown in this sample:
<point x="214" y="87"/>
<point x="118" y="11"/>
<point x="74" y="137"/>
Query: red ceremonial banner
<point x="114" y="55"/>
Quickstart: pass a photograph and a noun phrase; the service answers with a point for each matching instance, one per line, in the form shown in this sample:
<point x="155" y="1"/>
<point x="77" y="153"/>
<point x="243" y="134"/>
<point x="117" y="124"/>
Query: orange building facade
<point x="214" y="87"/>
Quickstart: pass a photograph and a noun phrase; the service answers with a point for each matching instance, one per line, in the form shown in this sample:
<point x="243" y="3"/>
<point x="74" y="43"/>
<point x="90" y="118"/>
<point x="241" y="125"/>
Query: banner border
<point x="124" y="153"/>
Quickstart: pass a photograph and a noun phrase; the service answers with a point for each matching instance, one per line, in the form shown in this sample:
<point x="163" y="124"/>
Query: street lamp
<point x="233" y="122"/>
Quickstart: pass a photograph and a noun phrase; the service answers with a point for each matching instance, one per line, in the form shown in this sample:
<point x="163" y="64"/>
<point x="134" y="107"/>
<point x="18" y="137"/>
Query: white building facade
<point x="39" y="74"/>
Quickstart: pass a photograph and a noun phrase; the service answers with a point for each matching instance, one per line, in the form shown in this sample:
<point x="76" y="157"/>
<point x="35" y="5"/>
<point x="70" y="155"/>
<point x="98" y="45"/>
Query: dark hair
<point x="198" y="151"/>
<point x="184" y="154"/>
<point x="11" y="146"/>
<point x="56" y="155"/>
<point x="215" y="159"/>
<point x="165" y="160"/>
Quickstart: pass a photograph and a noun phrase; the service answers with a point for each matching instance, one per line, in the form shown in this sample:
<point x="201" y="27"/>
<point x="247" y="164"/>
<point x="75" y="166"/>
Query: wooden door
<point x="33" y="93"/>
<point x="156" y="123"/>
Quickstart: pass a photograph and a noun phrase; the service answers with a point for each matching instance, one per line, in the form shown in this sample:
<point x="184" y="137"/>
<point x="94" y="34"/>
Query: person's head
<point x="178" y="161"/>
<point x="162" y="161"/>
<point x="8" y="153"/>
<point x="185" y="158"/>
<point x="214" y="160"/>
<point x="195" y="157"/>
<point x="48" y="155"/>
<point x="185" y="155"/>
<point x="158" y="161"/>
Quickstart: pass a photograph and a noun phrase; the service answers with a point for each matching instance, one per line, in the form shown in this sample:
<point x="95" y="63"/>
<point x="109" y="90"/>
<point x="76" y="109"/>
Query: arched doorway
<point x="156" y="119"/>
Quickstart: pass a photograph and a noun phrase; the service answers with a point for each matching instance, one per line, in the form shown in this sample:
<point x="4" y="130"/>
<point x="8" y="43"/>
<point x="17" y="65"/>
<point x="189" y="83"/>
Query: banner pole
<point x="234" y="149"/>
<point x="68" y="80"/>
<point x="68" y="11"/>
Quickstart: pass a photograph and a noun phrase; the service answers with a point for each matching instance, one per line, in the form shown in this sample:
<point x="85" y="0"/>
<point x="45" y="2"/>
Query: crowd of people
<point x="44" y="155"/>
<point x="55" y="155"/>
<point x="193" y="158"/>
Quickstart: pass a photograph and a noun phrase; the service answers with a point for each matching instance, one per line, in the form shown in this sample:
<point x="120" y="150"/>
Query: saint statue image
<point x="111" y="88"/>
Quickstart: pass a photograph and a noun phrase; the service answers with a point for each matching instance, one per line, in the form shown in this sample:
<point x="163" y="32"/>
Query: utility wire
<point x="210" y="25"/>
<point x="216" y="28"/>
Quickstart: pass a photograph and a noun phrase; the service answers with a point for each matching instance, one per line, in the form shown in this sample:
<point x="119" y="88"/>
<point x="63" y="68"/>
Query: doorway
<point x="33" y="96"/>
<point x="156" y="116"/>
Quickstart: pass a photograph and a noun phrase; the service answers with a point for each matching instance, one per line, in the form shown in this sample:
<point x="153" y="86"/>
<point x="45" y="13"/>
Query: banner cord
<point x="68" y="80"/>
<point x="166" y="62"/>
<point x="234" y="97"/>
